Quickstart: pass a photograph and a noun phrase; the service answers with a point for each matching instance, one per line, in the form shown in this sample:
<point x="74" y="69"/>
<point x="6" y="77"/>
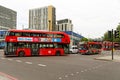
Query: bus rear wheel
<point x="21" y="54"/>
<point x="58" y="53"/>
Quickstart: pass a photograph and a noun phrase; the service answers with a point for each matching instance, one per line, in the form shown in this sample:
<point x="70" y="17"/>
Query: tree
<point x="106" y="38"/>
<point x="118" y="27"/>
<point x="84" y="39"/>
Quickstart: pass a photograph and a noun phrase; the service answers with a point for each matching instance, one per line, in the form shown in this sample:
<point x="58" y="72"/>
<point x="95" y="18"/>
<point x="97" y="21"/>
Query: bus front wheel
<point x="21" y="54"/>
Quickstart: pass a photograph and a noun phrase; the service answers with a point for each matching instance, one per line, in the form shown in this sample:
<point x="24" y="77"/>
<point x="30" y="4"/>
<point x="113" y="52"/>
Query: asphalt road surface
<point x="71" y="67"/>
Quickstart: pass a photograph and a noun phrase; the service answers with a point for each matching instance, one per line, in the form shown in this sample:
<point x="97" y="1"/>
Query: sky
<point x="90" y="18"/>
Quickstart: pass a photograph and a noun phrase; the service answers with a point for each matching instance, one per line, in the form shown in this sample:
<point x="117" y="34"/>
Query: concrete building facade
<point x="64" y="25"/>
<point x="8" y="18"/>
<point x="42" y="18"/>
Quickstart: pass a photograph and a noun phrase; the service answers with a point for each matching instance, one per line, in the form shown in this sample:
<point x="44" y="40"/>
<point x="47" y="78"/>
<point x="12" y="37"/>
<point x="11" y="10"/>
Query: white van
<point x="74" y="49"/>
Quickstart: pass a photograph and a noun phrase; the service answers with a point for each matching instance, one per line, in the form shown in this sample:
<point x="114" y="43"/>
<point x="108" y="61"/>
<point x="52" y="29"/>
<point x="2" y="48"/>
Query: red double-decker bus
<point x="36" y="42"/>
<point x="90" y="48"/>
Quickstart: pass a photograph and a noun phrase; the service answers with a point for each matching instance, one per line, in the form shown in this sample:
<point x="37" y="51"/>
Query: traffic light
<point x="116" y="34"/>
<point x="109" y="34"/>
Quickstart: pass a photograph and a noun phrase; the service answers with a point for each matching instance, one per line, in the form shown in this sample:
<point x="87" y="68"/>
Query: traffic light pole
<point x="111" y="35"/>
<point x="112" y="44"/>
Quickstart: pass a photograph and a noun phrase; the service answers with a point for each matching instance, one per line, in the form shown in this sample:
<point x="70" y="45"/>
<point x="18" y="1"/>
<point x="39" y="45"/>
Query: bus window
<point x="26" y="45"/>
<point x="44" y="46"/>
<point x="51" y="46"/>
<point x="1" y="35"/>
<point x="99" y="46"/>
<point x="23" y="45"/>
<point x="20" y="45"/>
<point x="43" y="35"/>
<point x="58" y="36"/>
<point x="40" y="45"/>
<point x="60" y="46"/>
<point x="11" y="33"/>
<point x="49" y="35"/>
<point x="55" y="46"/>
<point x="18" y="34"/>
<point x="11" y="44"/>
<point x="35" y="34"/>
<point x="33" y="46"/>
<point x="25" y="34"/>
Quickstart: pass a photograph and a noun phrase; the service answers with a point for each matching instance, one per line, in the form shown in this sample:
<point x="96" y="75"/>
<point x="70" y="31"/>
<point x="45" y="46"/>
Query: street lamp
<point x="49" y="24"/>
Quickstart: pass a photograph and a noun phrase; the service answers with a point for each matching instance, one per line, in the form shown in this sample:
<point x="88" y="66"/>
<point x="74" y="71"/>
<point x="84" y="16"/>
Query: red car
<point x="83" y="51"/>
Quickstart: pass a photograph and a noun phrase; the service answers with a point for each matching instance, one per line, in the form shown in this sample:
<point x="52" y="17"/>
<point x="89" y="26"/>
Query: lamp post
<point x="112" y="45"/>
<point x="49" y="24"/>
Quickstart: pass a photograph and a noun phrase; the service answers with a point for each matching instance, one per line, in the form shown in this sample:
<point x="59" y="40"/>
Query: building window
<point x="58" y="28"/>
<point x="65" y="27"/>
<point x="62" y="27"/>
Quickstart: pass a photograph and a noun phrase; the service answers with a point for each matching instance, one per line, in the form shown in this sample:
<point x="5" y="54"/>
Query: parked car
<point x="74" y="49"/>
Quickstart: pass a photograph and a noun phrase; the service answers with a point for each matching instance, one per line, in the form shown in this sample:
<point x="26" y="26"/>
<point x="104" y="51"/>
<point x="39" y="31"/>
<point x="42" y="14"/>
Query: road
<point x="71" y="67"/>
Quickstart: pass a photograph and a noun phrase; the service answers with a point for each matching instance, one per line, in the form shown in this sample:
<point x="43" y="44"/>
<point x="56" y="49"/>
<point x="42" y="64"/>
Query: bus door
<point x="66" y="48"/>
<point x="11" y="48"/>
<point x="34" y="49"/>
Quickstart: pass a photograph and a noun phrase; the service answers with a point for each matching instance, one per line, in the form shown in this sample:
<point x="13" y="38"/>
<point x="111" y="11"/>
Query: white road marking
<point x="66" y="75"/>
<point x="85" y="70"/>
<point x="2" y="58"/>
<point x="72" y="74"/>
<point x="28" y="62"/>
<point x="77" y="72"/>
<point x="60" y="78"/>
<point x="18" y="60"/>
<point x="76" y="54"/>
<point x="82" y="71"/>
<point x="10" y="59"/>
<point x="42" y="65"/>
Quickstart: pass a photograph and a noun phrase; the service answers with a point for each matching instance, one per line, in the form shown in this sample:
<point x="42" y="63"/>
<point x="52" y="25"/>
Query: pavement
<point x="105" y="57"/>
<point x="1" y="50"/>
<point x="116" y="58"/>
<point x="4" y="76"/>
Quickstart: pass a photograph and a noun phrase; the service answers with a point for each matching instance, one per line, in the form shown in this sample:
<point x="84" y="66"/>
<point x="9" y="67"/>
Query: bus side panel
<point x="53" y="51"/>
<point x="42" y="51"/>
<point x="62" y="52"/>
<point x="45" y="51"/>
<point x="27" y="51"/>
<point x="50" y="51"/>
